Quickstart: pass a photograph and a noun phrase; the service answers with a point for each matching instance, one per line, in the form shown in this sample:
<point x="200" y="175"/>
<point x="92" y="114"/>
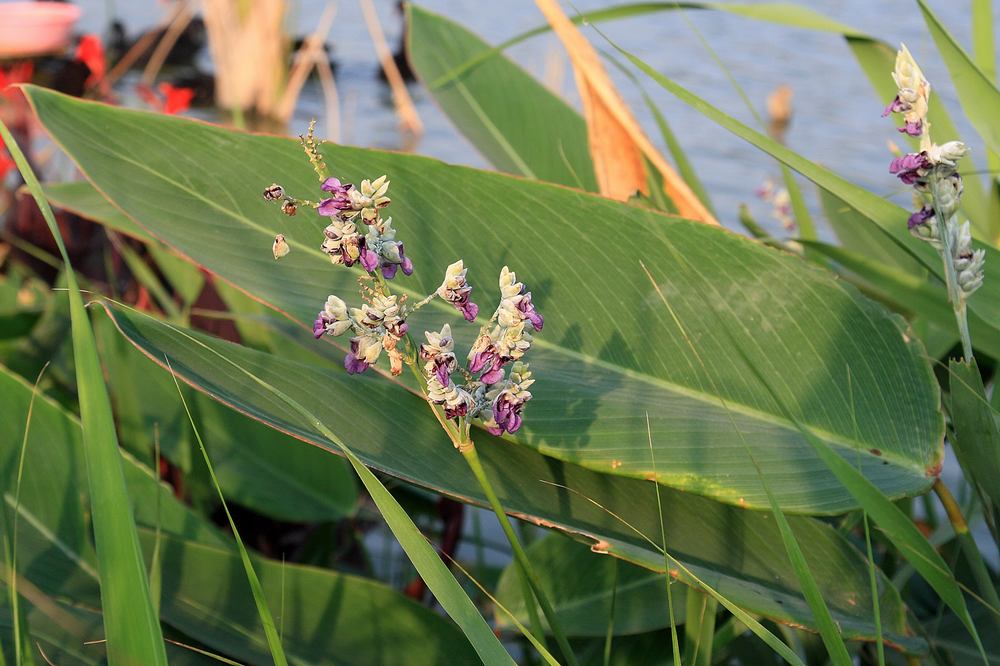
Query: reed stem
<point x="968" y="545"/>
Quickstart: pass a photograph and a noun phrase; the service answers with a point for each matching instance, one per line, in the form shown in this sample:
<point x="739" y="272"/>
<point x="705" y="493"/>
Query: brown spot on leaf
<point x="600" y="547"/>
<point x="875" y="452"/>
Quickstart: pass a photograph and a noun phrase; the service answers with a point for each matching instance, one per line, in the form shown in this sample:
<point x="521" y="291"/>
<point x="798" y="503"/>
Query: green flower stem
<point x="524" y="566"/>
<point x="968" y="545"/>
<point x="955" y="294"/>
<point x="530" y="584"/>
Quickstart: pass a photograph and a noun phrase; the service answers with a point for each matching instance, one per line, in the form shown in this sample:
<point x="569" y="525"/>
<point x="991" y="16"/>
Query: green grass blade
<point x="610" y="635"/>
<point x="983" y="40"/>
<point x="425" y="559"/>
<point x="266" y="619"/>
<point x="978" y="94"/>
<point x="535" y="642"/>
<point x="879" y="639"/>
<point x="675" y="646"/>
<point x="23" y="654"/>
<point x="699" y="630"/>
<point x="977" y="436"/>
<point x="131" y="627"/>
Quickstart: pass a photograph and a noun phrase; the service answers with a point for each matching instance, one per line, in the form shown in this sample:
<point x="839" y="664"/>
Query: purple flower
<point x="369" y="260"/>
<point x="526" y="308"/>
<point x="457" y="291"/>
<point x="908" y="167"/>
<point x="506" y="414"/>
<point x="341" y="199"/>
<point x="389" y="267"/>
<point x="484" y="358"/>
<point x="352" y="363"/>
<point x="913" y="128"/>
<point x="319" y="326"/>
<point x="920" y="217"/>
<point x="455" y="412"/>
<point x="896" y="106"/>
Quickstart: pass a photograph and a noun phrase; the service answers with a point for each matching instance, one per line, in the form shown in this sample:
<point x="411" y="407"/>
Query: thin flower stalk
<point x="489" y="388"/>
<point x="937" y="185"/>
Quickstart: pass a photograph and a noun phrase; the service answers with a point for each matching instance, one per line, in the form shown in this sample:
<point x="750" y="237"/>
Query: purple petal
<point x="389" y="271"/>
<point x="443" y="375"/>
<point x="469" y="310"/>
<point x="354" y="365"/>
<point x="407" y="264"/>
<point x="319" y="326"/>
<point x="895" y="106"/>
<point x="369" y="260"/>
<point x="920" y="217"/>
<point x="493" y="376"/>
<point x="912" y="128"/>
<point x="494" y="431"/>
<point x="328" y="207"/>
<point x="513" y="423"/>
<point x="479" y="360"/>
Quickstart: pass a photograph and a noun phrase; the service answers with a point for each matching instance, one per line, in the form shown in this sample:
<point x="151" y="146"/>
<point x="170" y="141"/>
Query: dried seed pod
<point x="289" y="208"/>
<point x="273" y="192"/>
<point x="280" y="247"/>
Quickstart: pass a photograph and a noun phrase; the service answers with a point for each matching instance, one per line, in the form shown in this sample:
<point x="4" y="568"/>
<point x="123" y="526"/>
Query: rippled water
<point x="836" y="119"/>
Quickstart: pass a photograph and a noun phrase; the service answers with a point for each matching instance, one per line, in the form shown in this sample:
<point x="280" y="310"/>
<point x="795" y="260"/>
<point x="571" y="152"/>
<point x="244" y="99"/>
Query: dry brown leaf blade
<point x="617" y="143"/>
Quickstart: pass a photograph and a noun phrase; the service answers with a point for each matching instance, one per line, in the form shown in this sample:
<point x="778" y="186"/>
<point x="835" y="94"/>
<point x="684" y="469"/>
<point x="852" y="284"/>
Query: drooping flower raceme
<point x="496" y="401"/>
<point x="932" y="171"/>
<point x="356" y="235"/>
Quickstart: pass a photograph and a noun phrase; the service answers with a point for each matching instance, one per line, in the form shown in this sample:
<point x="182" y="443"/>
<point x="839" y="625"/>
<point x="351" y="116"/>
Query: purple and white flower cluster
<point x="374" y="250"/>
<point x="932" y="171"/>
<point x="490" y="397"/>
<point x="485" y="391"/>
<point x="378" y="326"/>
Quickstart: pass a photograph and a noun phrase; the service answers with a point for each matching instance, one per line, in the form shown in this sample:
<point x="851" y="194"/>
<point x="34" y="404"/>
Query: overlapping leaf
<point x="738" y="552"/>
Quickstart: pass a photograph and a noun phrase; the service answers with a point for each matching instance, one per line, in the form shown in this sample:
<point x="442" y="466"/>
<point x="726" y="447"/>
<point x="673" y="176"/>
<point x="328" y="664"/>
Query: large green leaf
<point x="331" y="617"/>
<point x="610" y="354"/>
<point x="738" y="552"/>
<point x="489" y="105"/>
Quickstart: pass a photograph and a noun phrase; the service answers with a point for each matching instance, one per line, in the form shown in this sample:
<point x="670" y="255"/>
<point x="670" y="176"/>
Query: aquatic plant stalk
<point x="968" y="545"/>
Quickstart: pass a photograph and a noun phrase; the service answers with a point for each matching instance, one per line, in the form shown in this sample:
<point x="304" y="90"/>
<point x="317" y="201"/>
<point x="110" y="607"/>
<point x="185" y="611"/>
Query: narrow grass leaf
<point x="23" y="654"/>
<point x="978" y="94"/>
<point x="266" y="619"/>
<point x="675" y="646"/>
<point x="130" y="623"/>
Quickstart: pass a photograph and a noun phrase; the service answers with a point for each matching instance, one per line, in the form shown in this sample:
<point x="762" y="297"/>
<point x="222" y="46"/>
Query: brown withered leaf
<point x="617" y="143"/>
